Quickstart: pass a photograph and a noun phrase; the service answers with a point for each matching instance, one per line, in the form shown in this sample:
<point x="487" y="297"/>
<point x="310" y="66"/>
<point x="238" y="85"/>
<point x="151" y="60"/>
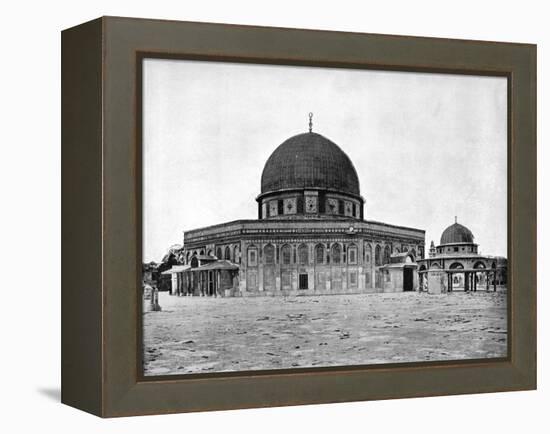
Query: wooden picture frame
<point x="101" y="217"/>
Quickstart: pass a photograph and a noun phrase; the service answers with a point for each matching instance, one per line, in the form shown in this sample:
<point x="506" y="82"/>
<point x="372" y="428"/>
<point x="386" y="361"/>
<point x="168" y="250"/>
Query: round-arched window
<point x="336" y="254"/>
<point x="319" y="254"/>
<point x="269" y="254"/>
<point x="378" y="255"/>
<point x="286" y="254"/>
<point x="303" y="255"/>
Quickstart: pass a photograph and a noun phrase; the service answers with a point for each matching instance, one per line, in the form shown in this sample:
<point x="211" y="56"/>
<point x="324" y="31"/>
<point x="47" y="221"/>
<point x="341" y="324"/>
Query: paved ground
<point x="198" y="335"/>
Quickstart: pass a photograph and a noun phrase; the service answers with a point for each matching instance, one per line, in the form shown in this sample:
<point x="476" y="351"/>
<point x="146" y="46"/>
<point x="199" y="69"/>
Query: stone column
<point x="344" y="264"/>
<point x="260" y="276"/>
<point x="372" y="267"/>
<point x="174" y="281"/>
<point x="310" y="277"/>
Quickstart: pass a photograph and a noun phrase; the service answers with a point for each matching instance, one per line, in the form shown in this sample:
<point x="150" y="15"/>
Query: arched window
<point x="367" y="253"/>
<point x="236" y="255"/>
<point x="219" y="253"/>
<point x="286" y="254"/>
<point x="387" y="254"/>
<point x="378" y="255"/>
<point x="269" y="254"/>
<point x="319" y="254"/>
<point x="252" y="256"/>
<point x="335" y="254"/>
<point x="303" y="255"/>
<point x="413" y="253"/>
<point x="227" y="253"/>
<point x="352" y="254"/>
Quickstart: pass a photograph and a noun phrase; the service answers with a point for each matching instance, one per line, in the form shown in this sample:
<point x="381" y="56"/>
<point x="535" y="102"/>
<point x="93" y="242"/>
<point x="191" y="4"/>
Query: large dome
<point x="309" y="160"/>
<point x="456" y="233"/>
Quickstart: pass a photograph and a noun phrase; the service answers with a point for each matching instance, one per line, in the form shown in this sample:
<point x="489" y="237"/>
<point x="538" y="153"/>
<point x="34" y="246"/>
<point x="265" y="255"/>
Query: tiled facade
<point x="306" y="256"/>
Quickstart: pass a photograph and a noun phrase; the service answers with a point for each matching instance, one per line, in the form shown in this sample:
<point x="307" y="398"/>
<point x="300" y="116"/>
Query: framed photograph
<point x="259" y="216"/>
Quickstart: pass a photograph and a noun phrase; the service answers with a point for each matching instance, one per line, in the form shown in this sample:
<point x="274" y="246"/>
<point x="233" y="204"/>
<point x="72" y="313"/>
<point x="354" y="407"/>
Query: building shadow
<point x="53" y="393"/>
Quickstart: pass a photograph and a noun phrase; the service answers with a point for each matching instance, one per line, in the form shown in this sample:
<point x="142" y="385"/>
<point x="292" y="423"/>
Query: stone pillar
<point x="260" y="277"/>
<point x="174" y="284"/>
<point x="435" y="282"/>
<point x="310" y="277"/>
<point x="344" y="277"/>
<point x="242" y="280"/>
<point x="294" y="279"/>
<point x="372" y="267"/>
<point x="154" y="305"/>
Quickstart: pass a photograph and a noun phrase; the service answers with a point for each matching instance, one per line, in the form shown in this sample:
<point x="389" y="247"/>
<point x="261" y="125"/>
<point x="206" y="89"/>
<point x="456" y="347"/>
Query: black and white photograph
<point x="275" y="217"/>
<point x="310" y="217"/>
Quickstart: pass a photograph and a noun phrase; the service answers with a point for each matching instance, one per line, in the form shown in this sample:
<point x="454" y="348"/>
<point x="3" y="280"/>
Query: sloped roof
<point x="218" y="265"/>
<point x="177" y="269"/>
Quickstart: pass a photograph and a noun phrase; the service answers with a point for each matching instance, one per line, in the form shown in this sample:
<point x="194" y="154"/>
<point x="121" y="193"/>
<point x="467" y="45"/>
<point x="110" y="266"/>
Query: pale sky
<point x="426" y="147"/>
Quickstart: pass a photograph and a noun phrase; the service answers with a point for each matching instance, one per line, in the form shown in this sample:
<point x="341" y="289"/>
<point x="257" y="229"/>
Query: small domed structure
<point x="457" y="256"/>
<point x="457" y="233"/>
<point x="456" y="239"/>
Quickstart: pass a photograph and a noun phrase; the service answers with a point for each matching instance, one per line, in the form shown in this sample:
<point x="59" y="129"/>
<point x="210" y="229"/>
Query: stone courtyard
<point x="203" y="335"/>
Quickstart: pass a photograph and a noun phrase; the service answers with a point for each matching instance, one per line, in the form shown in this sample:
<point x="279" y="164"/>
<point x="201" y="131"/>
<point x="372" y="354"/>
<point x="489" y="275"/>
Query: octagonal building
<point x="310" y="236"/>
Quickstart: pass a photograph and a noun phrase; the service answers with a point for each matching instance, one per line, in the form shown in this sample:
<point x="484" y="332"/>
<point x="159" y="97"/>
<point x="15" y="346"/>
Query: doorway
<point x="407" y="279"/>
<point x="303" y="281"/>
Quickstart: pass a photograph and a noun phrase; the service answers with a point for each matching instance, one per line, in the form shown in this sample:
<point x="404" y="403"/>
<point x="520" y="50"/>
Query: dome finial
<point x="310" y="121"/>
<point x="456" y="220"/>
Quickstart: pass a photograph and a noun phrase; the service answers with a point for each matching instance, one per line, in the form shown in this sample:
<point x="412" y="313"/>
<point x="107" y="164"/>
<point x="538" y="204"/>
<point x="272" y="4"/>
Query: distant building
<point x="311" y="235"/>
<point x="455" y="264"/>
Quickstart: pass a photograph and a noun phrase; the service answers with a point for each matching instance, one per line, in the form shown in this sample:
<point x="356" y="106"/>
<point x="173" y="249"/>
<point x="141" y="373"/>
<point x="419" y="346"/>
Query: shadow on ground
<point x="52" y="393"/>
